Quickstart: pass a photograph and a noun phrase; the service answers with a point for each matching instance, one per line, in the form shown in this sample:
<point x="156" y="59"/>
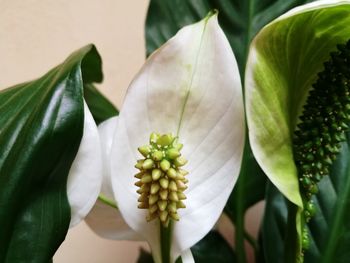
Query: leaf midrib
<point x="191" y="78"/>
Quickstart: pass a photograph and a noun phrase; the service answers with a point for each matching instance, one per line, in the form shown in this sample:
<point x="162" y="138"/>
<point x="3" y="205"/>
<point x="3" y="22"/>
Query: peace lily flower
<point x="84" y="178"/>
<point x="284" y="61"/>
<point x="105" y="218"/>
<point x="182" y="127"/>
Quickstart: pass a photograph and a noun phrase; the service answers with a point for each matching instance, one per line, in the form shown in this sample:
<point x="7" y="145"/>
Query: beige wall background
<point x="36" y="35"/>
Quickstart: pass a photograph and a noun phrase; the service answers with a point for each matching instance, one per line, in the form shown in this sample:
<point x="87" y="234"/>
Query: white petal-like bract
<point x="187" y="256"/>
<point x="85" y="175"/>
<point x="103" y="219"/>
<point x="189" y="87"/>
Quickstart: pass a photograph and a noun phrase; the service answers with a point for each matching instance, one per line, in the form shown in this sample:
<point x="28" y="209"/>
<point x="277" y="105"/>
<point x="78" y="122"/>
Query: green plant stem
<point x="251" y="241"/>
<point x="165" y="241"/>
<point x="240" y="211"/>
<point x="291" y="245"/>
<point x="104" y="199"/>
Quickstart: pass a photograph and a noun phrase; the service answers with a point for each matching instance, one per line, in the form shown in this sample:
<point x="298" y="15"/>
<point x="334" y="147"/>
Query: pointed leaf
<point x="100" y="107"/>
<point x="42" y="124"/>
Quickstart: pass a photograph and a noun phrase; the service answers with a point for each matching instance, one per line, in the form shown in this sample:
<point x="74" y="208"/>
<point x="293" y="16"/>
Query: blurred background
<point x="37" y="35"/>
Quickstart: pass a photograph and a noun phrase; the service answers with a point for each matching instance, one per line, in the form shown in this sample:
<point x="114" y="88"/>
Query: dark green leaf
<point x="240" y="19"/>
<point x="213" y="248"/>
<point x="100" y="107"/>
<point x="273" y="230"/>
<point x="145" y="257"/>
<point x="250" y="187"/>
<point x="329" y="229"/>
<point x="41" y="125"/>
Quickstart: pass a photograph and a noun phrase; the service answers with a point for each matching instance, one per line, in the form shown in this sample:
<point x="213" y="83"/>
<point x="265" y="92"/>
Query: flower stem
<point x="104" y="199"/>
<point x="165" y="241"/>
<point x="291" y="243"/>
<point x="251" y="241"/>
<point x="240" y="210"/>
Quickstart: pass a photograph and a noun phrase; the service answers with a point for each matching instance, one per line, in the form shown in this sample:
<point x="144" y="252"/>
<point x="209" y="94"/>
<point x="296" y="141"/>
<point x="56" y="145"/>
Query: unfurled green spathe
<point x="283" y="63"/>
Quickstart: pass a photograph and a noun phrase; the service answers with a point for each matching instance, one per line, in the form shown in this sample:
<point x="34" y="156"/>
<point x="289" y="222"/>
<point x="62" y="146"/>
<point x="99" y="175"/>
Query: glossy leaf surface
<point x="100" y="107"/>
<point x="41" y="125"/>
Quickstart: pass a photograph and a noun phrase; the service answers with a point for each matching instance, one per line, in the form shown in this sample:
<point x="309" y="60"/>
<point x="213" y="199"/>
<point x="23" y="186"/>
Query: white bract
<point x="84" y="178"/>
<point x="190" y="88"/>
<point x="104" y="218"/>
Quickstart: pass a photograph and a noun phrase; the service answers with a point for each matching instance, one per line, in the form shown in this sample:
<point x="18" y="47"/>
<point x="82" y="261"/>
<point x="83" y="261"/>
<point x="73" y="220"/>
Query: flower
<point x="84" y="178"/>
<point x="282" y="82"/>
<point x="283" y="63"/>
<point x="105" y="218"/>
<point x="189" y="88"/>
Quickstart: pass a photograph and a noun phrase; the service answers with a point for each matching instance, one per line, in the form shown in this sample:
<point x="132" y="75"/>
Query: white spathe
<point x="108" y="223"/>
<point x="104" y="219"/>
<point x="85" y="175"/>
<point x="189" y="87"/>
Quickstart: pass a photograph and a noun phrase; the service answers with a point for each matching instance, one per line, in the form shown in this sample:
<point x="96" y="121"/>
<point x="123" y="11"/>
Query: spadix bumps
<point x="161" y="180"/>
<point x="324" y="123"/>
<point x="177" y="91"/>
